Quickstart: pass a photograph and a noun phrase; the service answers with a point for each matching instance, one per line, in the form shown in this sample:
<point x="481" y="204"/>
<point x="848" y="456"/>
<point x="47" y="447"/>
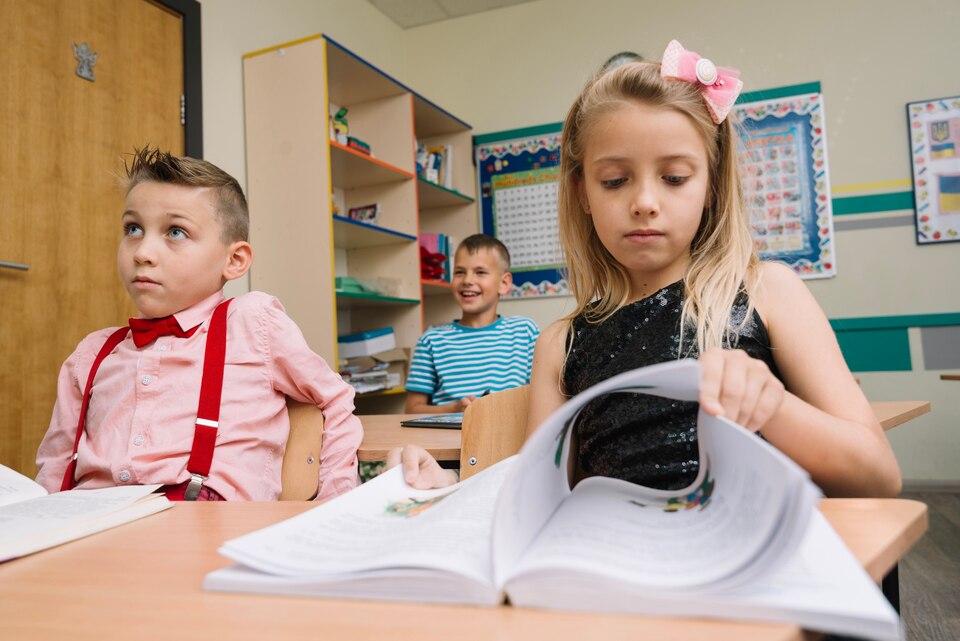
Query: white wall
<point x="232" y="28"/>
<point x="523" y="65"/>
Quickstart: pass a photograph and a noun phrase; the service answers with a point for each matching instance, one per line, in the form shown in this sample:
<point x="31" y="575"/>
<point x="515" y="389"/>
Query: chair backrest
<point x="494" y="427"/>
<point x="299" y="475"/>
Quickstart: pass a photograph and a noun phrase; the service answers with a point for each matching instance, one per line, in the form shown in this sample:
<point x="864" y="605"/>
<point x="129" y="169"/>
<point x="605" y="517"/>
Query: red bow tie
<point x="147" y="330"/>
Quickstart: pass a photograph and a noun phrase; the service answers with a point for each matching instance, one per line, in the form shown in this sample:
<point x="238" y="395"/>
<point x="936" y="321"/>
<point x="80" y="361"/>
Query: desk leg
<point x="891" y="587"/>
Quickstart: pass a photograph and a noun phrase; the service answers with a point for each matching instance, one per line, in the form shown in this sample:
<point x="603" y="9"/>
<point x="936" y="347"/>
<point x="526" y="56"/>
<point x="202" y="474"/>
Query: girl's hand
<point x="420" y="469"/>
<point x="739" y="387"/>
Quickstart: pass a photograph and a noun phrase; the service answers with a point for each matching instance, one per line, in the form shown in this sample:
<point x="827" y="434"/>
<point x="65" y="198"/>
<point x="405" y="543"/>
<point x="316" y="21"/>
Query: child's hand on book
<point x="739" y="387"/>
<point x="420" y="469"/>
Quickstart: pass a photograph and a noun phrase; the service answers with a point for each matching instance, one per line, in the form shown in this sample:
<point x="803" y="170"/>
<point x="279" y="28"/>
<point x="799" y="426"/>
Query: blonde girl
<point x="662" y="266"/>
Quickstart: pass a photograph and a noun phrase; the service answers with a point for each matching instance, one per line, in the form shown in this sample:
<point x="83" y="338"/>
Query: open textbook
<point x="744" y="541"/>
<point x="32" y="520"/>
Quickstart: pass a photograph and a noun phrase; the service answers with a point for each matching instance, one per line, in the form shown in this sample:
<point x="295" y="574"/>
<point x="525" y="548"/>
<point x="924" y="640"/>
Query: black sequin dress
<point x="643" y="439"/>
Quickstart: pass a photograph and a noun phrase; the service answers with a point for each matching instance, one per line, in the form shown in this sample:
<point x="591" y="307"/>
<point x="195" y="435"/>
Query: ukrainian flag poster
<point x="935" y="157"/>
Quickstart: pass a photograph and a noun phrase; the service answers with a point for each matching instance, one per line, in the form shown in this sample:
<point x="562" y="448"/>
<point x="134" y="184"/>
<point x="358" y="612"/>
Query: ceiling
<point x="413" y="13"/>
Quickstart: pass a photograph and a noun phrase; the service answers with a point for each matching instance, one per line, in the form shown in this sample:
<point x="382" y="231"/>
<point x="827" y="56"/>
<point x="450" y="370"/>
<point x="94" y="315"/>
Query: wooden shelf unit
<point x="293" y="166"/>
<point x="442" y="209"/>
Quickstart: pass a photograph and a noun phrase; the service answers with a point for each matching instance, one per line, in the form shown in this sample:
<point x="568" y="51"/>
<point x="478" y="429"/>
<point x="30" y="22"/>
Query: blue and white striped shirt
<point x="453" y="361"/>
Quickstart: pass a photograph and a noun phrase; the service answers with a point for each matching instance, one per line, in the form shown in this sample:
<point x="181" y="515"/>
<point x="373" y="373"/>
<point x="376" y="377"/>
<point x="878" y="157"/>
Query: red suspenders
<point x="208" y="410"/>
<point x="115" y="339"/>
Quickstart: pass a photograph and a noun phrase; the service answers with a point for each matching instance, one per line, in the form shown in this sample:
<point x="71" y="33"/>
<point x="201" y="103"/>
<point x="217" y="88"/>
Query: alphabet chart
<point x="783" y="160"/>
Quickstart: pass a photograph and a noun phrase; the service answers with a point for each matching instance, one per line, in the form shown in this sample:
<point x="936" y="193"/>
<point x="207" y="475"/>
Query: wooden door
<point x="63" y="144"/>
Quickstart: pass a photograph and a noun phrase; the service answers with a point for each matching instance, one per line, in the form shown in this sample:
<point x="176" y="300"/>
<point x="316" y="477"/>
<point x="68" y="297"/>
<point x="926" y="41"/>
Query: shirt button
<point x="138" y="439"/>
<point x="124" y="476"/>
<point x="146" y="380"/>
<point x="161" y="348"/>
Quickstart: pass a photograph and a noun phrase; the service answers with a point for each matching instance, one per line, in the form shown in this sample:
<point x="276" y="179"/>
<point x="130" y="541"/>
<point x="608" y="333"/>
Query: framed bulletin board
<point x="786" y="177"/>
<point x="518" y="173"/>
<point x="935" y="159"/>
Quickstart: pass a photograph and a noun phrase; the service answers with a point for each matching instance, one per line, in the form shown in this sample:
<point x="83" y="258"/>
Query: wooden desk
<point x="893" y="413"/>
<point x="143" y="581"/>
<point x="382" y="432"/>
<point x="950" y="377"/>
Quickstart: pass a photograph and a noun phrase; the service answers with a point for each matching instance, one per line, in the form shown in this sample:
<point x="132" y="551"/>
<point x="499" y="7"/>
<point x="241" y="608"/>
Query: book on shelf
<point x="32" y="520"/>
<point x="436" y="262"/>
<point x="743" y="541"/>
<point x="435" y="164"/>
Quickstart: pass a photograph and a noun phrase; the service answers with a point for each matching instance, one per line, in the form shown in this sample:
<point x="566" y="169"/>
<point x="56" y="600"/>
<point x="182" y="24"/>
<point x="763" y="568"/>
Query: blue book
<point x="448" y="421"/>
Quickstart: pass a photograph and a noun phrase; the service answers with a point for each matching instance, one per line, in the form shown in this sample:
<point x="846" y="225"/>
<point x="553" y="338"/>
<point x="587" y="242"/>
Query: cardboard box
<point x="397" y="361"/>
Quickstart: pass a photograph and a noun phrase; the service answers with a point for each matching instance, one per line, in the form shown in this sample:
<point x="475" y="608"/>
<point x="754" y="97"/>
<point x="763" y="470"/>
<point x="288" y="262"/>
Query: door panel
<point x="63" y="147"/>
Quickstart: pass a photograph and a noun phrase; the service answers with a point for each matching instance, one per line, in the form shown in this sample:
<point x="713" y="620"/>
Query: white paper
<point x="362" y="531"/>
<point x="35" y="524"/>
<point x="15" y="487"/>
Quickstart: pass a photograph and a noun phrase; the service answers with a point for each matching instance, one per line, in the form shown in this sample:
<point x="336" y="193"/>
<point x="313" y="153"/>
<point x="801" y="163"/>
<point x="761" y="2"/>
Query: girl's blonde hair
<point x="722" y="250"/>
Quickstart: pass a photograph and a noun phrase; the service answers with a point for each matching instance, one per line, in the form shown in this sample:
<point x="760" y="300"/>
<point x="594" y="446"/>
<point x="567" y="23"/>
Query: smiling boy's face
<point x="479" y="280"/>
<point x="172" y="254"/>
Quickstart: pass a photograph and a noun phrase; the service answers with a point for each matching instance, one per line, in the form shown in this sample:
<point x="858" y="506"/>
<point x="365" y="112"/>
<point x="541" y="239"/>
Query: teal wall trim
<point x="497" y="136"/>
<point x="876" y="350"/>
<point x="894" y="322"/>
<point x="779" y="92"/>
<point x="882" y="343"/>
<point x="896" y="201"/>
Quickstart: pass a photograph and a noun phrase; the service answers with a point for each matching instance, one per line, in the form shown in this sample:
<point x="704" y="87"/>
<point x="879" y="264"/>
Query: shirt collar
<point x="196" y="314"/>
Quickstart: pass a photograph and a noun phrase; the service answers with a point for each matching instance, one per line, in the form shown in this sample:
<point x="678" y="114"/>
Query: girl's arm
<point x="824" y="422"/>
<point x="548" y="355"/>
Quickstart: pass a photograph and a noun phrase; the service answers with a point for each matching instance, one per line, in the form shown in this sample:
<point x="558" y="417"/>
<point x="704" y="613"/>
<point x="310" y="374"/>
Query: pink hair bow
<point x="720" y="86"/>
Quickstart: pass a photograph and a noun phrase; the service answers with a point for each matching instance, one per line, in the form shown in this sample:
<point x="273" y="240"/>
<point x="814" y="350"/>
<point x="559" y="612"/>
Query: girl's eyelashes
<point x="613" y="183"/>
<point x="676" y="180"/>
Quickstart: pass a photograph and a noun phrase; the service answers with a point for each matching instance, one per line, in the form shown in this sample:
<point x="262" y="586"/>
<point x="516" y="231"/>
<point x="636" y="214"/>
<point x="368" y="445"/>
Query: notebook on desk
<point x="446" y="421"/>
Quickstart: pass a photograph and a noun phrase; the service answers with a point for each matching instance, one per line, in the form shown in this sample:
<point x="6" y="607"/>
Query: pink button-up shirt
<point x="143" y="407"/>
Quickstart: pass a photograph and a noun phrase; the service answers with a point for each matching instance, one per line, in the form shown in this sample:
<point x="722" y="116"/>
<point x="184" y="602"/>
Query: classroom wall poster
<point x="518" y="174"/>
<point x="786" y="179"/>
<point x="935" y="159"/>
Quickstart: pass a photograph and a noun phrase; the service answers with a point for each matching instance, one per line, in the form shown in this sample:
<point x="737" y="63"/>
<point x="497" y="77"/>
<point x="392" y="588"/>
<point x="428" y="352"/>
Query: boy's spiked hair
<point x="152" y="165"/>
<point x="472" y="244"/>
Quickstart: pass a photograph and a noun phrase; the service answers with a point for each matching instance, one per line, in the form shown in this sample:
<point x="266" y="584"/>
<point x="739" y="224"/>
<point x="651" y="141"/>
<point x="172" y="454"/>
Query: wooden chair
<point x="301" y="460"/>
<point x="494" y="427"/>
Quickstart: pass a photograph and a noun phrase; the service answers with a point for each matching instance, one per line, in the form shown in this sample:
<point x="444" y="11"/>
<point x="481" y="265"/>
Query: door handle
<point x="9" y="265"/>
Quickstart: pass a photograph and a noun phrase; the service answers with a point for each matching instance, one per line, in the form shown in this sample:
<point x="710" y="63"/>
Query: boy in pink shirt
<point x="154" y="412"/>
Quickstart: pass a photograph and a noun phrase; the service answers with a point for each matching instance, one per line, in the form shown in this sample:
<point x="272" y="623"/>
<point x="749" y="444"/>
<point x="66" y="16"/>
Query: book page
<point x="539" y="483"/>
<point x="16" y="487"/>
<point x="38" y="523"/>
<point x="382" y="524"/>
<point x="60" y="508"/>
<point x="821" y="587"/>
<point x="698" y="537"/>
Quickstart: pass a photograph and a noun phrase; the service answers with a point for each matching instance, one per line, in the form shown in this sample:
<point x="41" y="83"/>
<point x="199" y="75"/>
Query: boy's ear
<point x="239" y="260"/>
<point x="506" y="282"/>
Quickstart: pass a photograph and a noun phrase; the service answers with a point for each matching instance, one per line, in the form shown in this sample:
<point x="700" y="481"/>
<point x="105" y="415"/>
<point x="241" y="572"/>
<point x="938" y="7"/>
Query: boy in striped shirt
<point x="482" y="352"/>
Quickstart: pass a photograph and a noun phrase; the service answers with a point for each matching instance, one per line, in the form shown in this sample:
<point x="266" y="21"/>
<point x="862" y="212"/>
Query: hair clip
<point x="720" y="86"/>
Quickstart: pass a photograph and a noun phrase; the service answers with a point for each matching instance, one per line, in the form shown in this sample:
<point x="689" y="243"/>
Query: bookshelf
<point x="301" y="243"/>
